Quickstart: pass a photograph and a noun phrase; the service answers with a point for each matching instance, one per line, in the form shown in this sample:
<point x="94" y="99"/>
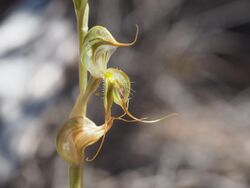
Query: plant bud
<point x="74" y="136"/>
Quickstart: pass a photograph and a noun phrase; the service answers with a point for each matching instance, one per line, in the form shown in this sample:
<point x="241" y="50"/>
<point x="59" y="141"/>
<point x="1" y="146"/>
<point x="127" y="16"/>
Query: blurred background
<point x="192" y="57"/>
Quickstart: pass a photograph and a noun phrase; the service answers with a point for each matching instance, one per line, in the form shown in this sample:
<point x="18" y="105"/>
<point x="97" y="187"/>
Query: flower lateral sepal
<point x="75" y="136"/>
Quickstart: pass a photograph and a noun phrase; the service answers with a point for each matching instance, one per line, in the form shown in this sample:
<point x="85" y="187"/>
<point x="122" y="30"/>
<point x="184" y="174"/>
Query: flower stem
<point x="76" y="176"/>
<point x="79" y="109"/>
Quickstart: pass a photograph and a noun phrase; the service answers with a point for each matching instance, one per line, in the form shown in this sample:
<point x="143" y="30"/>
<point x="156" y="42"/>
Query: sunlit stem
<point x="83" y="76"/>
<point x="82" y="17"/>
<point x="76" y="176"/>
<point x="86" y="89"/>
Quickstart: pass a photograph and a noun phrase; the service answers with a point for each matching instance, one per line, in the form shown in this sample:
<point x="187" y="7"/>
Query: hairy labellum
<point x="117" y="86"/>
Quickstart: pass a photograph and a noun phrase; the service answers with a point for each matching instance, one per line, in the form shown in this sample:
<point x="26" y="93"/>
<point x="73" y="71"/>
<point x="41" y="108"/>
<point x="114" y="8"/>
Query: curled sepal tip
<point x="107" y="126"/>
<point x="143" y="120"/>
<point x="74" y="136"/>
<point x="98" y="46"/>
<point x="117" y="90"/>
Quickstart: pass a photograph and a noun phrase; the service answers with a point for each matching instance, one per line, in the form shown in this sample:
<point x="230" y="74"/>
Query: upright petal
<point x="98" y="46"/>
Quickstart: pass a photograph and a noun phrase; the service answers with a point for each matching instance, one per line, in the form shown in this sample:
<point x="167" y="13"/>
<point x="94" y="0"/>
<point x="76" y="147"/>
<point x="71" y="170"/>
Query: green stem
<point x="82" y="28"/>
<point x="82" y="69"/>
<point x="82" y="77"/>
<point x="76" y="176"/>
<point x="86" y="88"/>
